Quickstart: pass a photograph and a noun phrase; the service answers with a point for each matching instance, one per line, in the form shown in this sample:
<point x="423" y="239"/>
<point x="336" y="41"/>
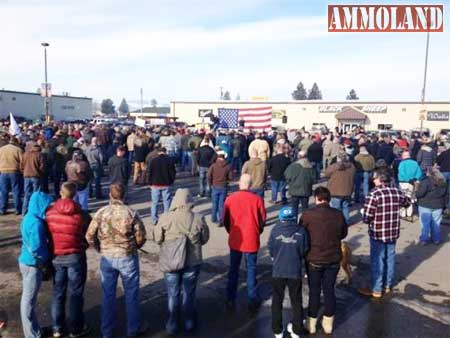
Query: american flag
<point x="258" y="118"/>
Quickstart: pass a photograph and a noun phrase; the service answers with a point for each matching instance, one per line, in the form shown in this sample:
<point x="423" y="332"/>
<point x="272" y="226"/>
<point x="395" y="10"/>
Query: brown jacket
<point x="33" y="164"/>
<point x="326" y="227"/>
<point x="365" y="162"/>
<point x="340" y="179"/>
<point x="11" y="157"/>
<point x="256" y="168"/>
<point x="220" y="174"/>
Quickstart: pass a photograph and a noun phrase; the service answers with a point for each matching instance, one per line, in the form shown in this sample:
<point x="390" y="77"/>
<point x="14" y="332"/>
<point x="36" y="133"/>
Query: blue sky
<point x="186" y="50"/>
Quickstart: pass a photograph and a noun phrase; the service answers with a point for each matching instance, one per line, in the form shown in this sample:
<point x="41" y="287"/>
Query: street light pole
<point x="47" y="116"/>
<point x="424" y="80"/>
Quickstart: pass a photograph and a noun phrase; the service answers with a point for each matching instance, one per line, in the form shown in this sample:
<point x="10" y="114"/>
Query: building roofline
<point x="28" y="93"/>
<point x="349" y="102"/>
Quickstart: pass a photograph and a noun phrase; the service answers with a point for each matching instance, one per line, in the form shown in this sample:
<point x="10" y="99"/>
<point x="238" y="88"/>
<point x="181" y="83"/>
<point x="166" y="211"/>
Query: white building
<point x="372" y="115"/>
<point x="31" y="106"/>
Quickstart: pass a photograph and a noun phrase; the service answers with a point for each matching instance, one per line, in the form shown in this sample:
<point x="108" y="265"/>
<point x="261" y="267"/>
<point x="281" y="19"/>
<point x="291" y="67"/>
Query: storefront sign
<point x="437" y="116"/>
<point x="204" y="112"/>
<point x="278" y="114"/>
<point x="374" y="109"/>
<point x="330" y="109"/>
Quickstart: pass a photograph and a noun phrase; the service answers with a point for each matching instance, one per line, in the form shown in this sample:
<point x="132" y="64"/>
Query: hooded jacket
<point x="119" y="170"/>
<point x="277" y="166"/>
<point x="340" y="179"/>
<point x="426" y="157"/>
<point x="256" y="168"/>
<point x="33" y="230"/>
<point x="33" y="164"/>
<point x="443" y="160"/>
<point x="261" y="147"/>
<point x="409" y="170"/>
<point x="78" y="172"/>
<point x="431" y="195"/>
<point x="11" y="157"/>
<point x="67" y="225"/>
<point x="364" y="162"/>
<point x="181" y="220"/>
<point x="220" y="174"/>
<point x="288" y="244"/>
<point x="300" y="176"/>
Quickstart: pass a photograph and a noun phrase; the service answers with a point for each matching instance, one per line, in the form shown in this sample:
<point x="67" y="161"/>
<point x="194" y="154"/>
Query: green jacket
<point x="300" y="176"/>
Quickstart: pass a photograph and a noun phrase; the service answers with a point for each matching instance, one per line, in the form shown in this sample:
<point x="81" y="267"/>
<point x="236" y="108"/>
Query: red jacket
<point x="67" y="225"/>
<point x="244" y="216"/>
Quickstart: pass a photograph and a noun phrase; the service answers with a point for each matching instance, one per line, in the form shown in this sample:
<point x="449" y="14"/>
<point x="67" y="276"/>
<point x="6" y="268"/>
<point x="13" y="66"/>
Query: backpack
<point x="172" y="254"/>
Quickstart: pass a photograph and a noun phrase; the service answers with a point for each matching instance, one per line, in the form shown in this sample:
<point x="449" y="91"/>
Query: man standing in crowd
<point x="256" y="168"/>
<point x="244" y="217"/>
<point x="95" y="158"/>
<point x="315" y="155"/>
<point x="219" y="176"/>
<point x="340" y="183"/>
<point x="277" y="167"/>
<point x="443" y="160"/>
<point x="236" y="161"/>
<point x="67" y="226"/>
<point x="161" y="176"/>
<point x="300" y="176"/>
<point x="140" y="153"/>
<point x="33" y="168"/>
<point x="205" y="158"/>
<point x="117" y="231"/>
<point x="409" y="172"/>
<point x="382" y="213"/>
<point x="288" y="244"/>
<point x="365" y="164"/>
<point x="119" y="168"/>
<point x="79" y="172"/>
<point x="326" y="227"/>
<point x="130" y="146"/>
<point x="11" y="157"/>
<point x="194" y="144"/>
<point x="184" y="145"/>
<point x="427" y="154"/>
<point x="260" y="147"/>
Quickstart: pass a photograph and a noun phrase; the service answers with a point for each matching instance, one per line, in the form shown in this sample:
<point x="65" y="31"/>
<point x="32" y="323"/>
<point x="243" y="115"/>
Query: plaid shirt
<point x="382" y="212"/>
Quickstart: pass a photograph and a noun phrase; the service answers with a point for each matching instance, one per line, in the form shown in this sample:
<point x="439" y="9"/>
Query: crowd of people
<point x="52" y="171"/>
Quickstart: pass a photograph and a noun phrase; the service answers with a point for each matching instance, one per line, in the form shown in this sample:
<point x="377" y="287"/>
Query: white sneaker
<point x="291" y="331"/>
<point x="279" y="335"/>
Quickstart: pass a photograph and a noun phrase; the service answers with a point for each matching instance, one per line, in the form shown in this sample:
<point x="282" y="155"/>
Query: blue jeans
<point x="430" y="219"/>
<point x="303" y="200"/>
<point x="361" y="181"/>
<point x="236" y="164"/>
<point x="382" y="264"/>
<point x="185" y="160"/>
<point x="447" y="177"/>
<point x="233" y="275"/>
<point x="342" y="203"/>
<point x="130" y="156"/>
<point x="278" y="187"/>
<point x="203" y="181"/>
<point x="318" y="168"/>
<point x="31" y="184"/>
<point x="31" y="283"/>
<point x="166" y="195"/>
<point x="8" y="182"/>
<point x="259" y="192"/>
<point x="82" y="198"/>
<point x="128" y="269"/>
<point x="70" y="273"/>
<point x="218" y="195"/>
<point x="97" y="171"/>
<point x="183" y="282"/>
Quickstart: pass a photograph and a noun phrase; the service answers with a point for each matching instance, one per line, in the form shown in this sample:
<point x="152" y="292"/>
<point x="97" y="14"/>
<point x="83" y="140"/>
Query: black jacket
<point x="288" y="244"/>
<point x="315" y="152"/>
<point x="119" y="170"/>
<point x="430" y="195"/>
<point x="386" y="152"/>
<point x="444" y="161"/>
<point x="277" y="165"/>
<point x="162" y="171"/>
<point x="140" y="152"/>
<point x="206" y="156"/>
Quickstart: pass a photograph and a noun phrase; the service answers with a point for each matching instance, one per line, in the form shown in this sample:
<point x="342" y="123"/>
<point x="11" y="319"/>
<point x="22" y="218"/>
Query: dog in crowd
<point x="345" y="262"/>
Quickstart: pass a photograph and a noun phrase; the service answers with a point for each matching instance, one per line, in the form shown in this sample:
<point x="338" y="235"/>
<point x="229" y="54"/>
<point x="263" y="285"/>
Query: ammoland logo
<point x="385" y="18"/>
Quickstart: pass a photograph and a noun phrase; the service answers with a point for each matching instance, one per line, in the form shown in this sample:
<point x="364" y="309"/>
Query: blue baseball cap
<point x="286" y="214"/>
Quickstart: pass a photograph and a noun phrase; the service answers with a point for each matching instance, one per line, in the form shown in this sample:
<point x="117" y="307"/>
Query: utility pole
<point x="46" y="103"/>
<point x="142" y="102"/>
<point x="221" y="93"/>
<point x="424" y="83"/>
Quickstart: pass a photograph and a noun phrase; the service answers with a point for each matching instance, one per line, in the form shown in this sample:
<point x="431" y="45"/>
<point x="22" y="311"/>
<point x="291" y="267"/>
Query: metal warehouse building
<point x="372" y="115"/>
<point x="31" y="106"/>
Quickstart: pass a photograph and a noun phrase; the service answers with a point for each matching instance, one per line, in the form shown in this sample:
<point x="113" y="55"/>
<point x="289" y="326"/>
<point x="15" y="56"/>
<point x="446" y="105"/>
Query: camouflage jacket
<point x="116" y="230"/>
